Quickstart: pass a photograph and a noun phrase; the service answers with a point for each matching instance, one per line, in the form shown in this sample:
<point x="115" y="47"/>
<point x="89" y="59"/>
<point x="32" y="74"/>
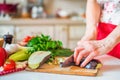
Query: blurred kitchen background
<point x="61" y="19"/>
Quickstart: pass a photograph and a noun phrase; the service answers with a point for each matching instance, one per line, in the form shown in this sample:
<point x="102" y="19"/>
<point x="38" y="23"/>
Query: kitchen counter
<point x="109" y="71"/>
<point x="28" y="21"/>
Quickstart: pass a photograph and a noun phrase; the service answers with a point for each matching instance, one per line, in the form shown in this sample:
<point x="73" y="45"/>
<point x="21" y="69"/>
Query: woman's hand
<point x="91" y="49"/>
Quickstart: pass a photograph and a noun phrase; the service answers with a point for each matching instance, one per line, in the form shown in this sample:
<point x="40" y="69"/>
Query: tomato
<point x="9" y="65"/>
<point x="27" y="38"/>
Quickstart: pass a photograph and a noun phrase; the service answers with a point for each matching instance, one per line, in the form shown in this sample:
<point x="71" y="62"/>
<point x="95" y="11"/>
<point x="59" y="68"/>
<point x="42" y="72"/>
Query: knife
<point x="68" y="62"/>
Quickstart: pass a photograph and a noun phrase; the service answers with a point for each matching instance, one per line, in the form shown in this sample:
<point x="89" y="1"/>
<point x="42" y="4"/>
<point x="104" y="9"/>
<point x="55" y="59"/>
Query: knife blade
<point x="68" y="62"/>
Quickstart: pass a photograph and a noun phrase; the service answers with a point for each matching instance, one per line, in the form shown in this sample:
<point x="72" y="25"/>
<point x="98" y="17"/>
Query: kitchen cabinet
<point x="4" y="29"/>
<point x="72" y="44"/>
<point x="22" y="31"/>
<point x="68" y="34"/>
<point x="76" y="32"/>
<point x="57" y="32"/>
<point x="61" y="33"/>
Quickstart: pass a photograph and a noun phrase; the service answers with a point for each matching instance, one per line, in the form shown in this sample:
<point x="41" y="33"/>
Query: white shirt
<point x="110" y="11"/>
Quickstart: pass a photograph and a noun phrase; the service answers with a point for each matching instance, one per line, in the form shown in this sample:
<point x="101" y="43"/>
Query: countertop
<point x="29" y="21"/>
<point x="109" y="71"/>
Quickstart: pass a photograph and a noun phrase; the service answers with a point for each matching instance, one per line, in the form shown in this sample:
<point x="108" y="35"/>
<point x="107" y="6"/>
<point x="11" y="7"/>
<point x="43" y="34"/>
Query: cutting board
<point x="72" y="70"/>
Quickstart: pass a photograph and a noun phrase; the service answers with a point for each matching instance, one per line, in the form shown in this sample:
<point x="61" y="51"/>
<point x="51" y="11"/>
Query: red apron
<point x="103" y="30"/>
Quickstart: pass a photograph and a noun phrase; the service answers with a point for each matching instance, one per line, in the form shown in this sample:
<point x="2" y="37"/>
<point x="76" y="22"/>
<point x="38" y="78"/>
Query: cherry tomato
<point x="9" y="65"/>
<point x="27" y="38"/>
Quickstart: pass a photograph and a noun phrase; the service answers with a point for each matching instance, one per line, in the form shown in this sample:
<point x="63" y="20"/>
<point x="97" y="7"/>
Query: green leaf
<point x="45" y="43"/>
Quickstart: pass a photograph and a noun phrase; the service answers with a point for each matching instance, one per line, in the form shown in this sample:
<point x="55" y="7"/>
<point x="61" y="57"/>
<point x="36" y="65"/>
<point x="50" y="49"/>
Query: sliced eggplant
<point x="38" y="58"/>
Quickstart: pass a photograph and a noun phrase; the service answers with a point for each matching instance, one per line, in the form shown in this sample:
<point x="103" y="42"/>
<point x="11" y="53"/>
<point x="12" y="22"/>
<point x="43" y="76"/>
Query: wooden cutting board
<point x="72" y="70"/>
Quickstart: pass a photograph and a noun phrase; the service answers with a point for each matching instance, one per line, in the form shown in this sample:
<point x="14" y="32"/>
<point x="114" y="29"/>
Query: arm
<point x="93" y="48"/>
<point x="102" y="46"/>
<point x="114" y="37"/>
<point x="89" y="48"/>
<point x="92" y="18"/>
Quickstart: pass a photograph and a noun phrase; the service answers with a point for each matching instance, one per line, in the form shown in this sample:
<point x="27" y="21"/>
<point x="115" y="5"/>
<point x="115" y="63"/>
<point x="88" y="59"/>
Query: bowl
<point x="8" y="8"/>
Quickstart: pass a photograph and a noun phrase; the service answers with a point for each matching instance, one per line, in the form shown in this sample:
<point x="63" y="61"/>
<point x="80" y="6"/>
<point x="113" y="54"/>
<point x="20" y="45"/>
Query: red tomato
<point x="9" y="65"/>
<point x="27" y="38"/>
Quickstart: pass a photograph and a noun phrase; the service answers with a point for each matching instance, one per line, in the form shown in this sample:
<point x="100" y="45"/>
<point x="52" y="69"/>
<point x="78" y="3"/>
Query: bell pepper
<point x="3" y="56"/>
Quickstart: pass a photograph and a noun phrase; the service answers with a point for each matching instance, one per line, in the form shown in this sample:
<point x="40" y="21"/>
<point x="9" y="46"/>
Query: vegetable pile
<point x="45" y="43"/>
<point x="34" y="50"/>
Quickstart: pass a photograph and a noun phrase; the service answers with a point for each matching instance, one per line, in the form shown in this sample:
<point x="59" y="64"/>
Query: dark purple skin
<point x="70" y="62"/>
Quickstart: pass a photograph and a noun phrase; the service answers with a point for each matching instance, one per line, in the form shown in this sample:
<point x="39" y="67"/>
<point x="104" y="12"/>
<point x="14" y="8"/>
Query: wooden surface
<point x="72" y="70"/>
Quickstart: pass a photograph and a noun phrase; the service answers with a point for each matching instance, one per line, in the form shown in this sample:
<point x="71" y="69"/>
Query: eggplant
<point x="38" y="58"/>
<point x="93" y="64"/>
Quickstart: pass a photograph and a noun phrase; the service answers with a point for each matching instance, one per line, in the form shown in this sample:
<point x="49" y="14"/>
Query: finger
<point x="80" y="56"/>
<point x="76" y="52"/>
<point x="86" y="54"/>
<point x="88" y="59"/>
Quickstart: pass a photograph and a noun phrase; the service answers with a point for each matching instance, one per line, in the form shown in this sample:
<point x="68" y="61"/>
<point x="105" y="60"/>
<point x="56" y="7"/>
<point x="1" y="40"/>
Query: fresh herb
<point x="64" y="52"/>
<point x="45" y="43"/>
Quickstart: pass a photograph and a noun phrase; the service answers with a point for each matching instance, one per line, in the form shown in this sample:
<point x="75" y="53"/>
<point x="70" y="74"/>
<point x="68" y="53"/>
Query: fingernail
<point x="74" y="60"/>
<point x="82" y="65"/>
<point x="77" y="63"/>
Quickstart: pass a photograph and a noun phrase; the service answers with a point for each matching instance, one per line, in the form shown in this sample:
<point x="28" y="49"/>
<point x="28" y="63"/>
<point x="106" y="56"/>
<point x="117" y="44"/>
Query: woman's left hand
<point x="89" y="50"/>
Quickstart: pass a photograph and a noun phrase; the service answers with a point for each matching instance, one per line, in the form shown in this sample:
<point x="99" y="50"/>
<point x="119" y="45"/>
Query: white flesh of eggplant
<point x="36" y="59"/>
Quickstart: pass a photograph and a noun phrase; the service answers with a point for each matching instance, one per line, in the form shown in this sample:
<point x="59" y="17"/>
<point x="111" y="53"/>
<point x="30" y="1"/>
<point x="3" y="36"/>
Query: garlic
<point x="11" y="48"/>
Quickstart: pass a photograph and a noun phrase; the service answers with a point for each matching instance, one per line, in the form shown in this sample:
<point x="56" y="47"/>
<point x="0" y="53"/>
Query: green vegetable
<point x="20" y="55"/>
<point x="45" y="43"/>
<point x="62" y="52"/>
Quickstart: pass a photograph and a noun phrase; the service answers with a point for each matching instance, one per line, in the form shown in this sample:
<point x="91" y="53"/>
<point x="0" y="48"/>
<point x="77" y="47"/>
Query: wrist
<point x="113" y="39"/>
<point x="88" y="37"/>
<point x="109" y="43"/>
<point x="90" y="34"/>
<point x="114" y="36"/>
